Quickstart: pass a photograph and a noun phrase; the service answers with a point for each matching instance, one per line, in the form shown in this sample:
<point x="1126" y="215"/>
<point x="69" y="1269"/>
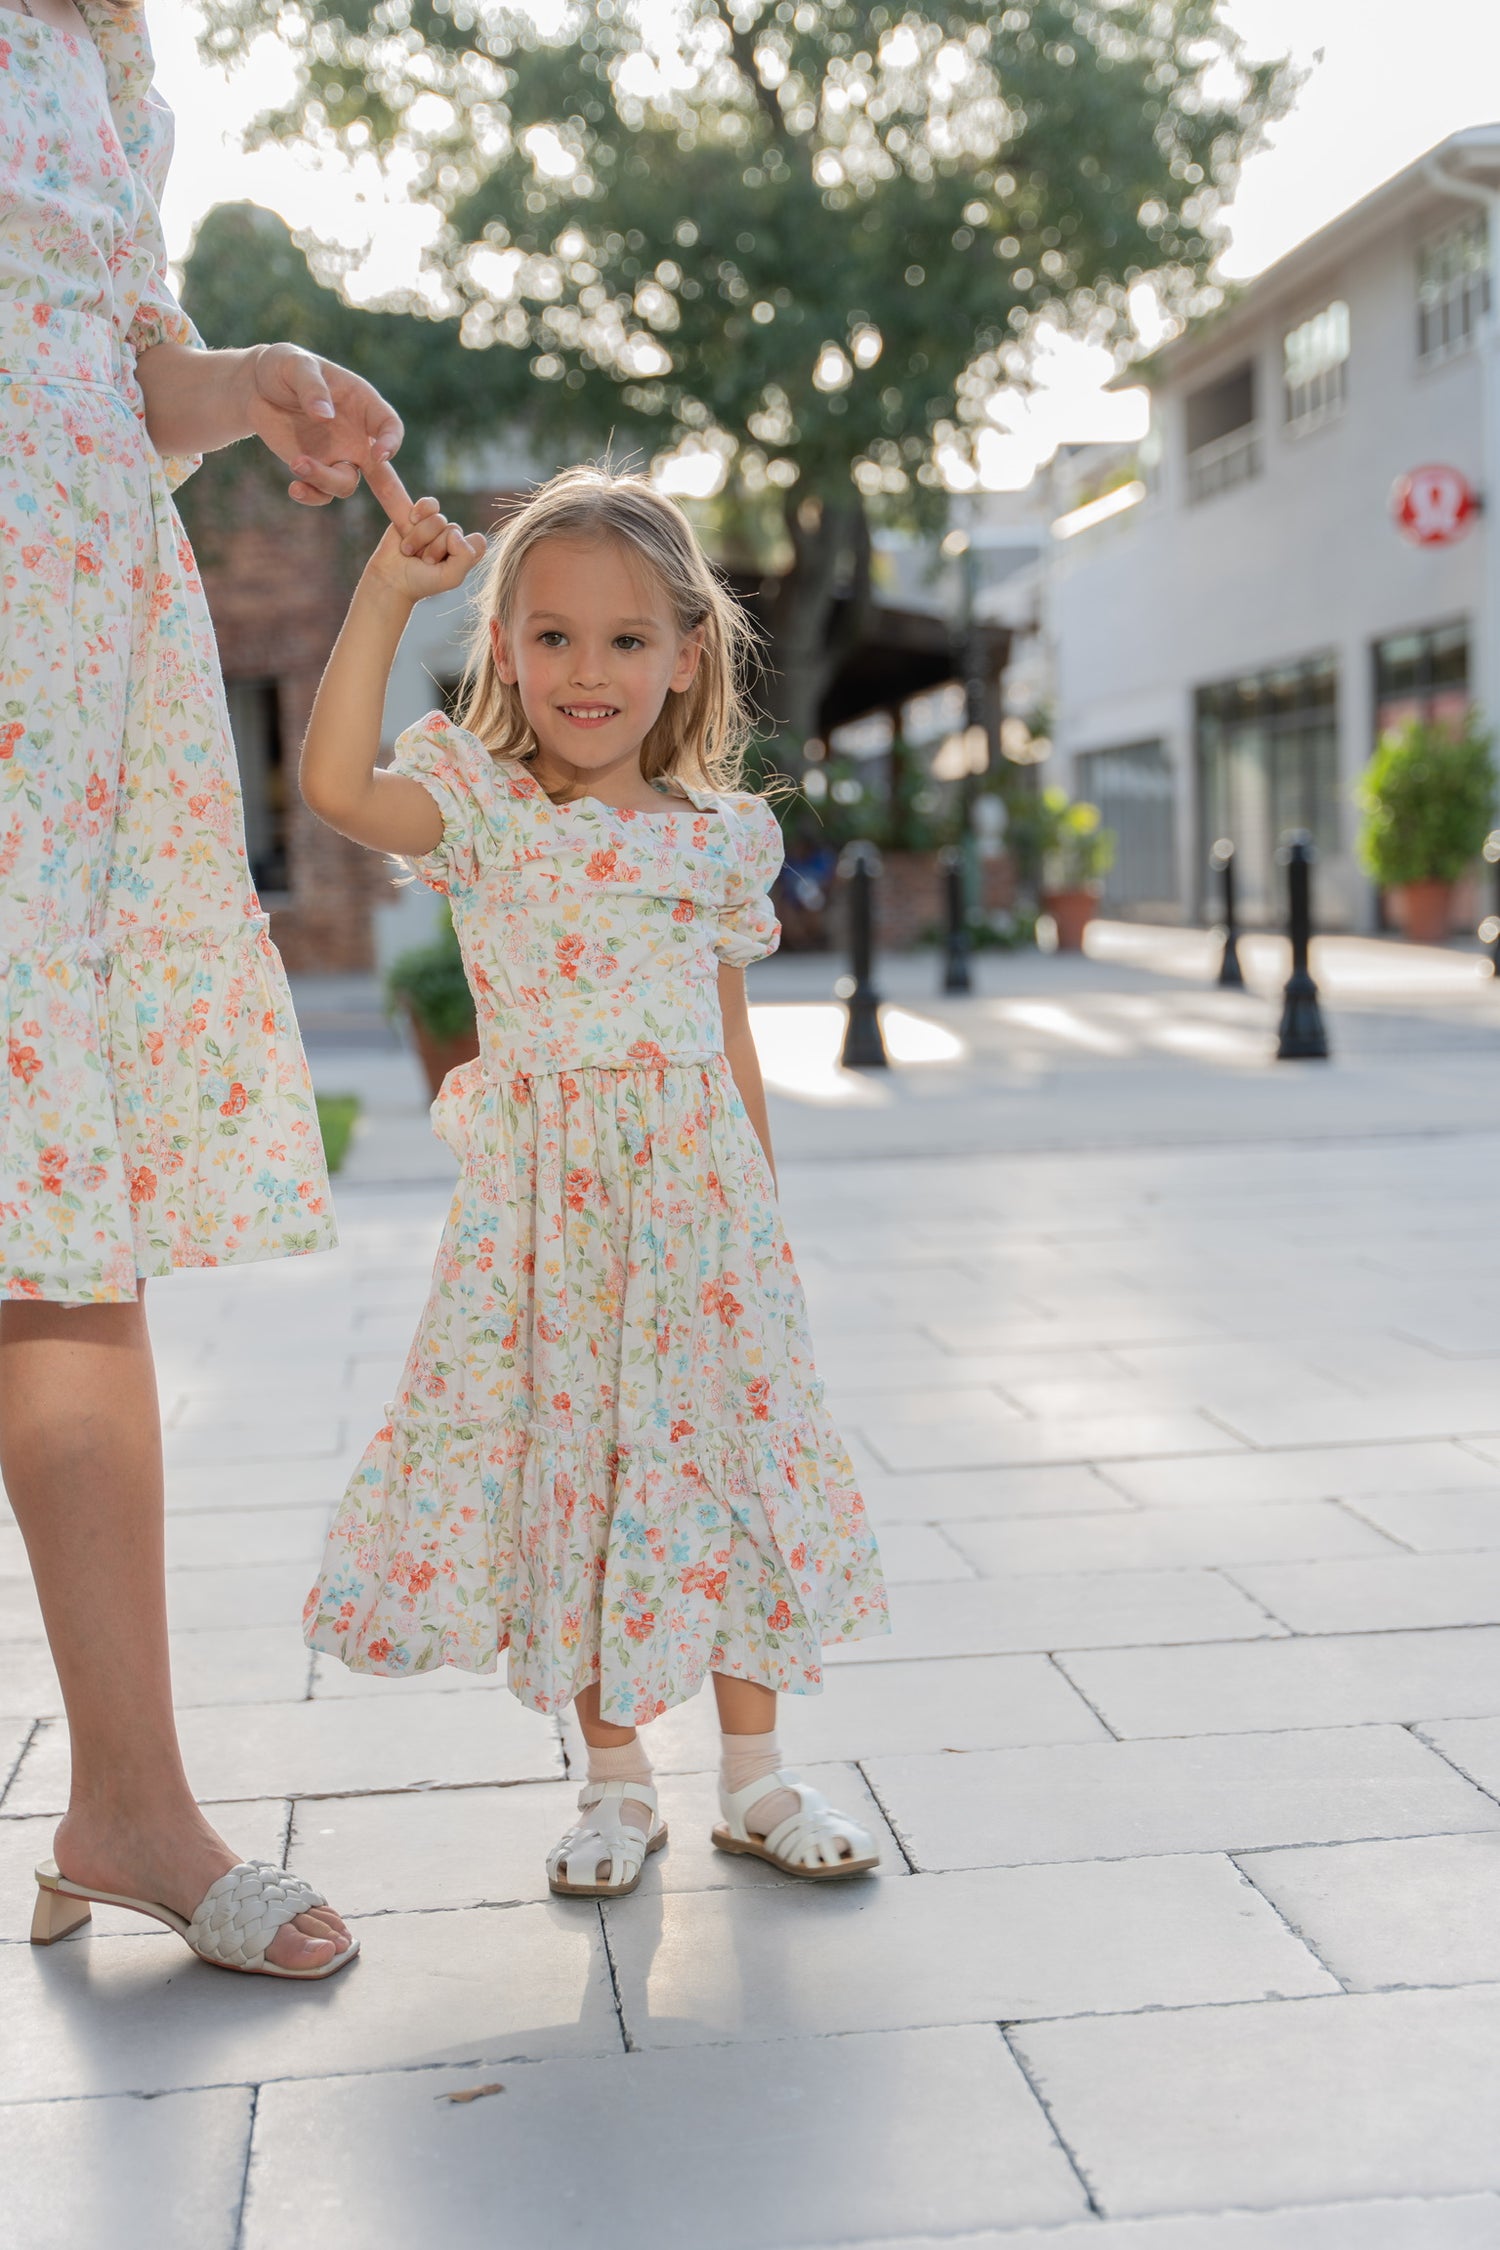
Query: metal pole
<point x="864" y="1047"/>
<point x="957" y="976"/>
<point x="1231" y="975"/>
<point x="1489" y="928"/>
<point x="1303" y="1037"/>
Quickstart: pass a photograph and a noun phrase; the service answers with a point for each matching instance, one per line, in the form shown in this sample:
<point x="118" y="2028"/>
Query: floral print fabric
<point x="609" y="1453"/>
<point x="158" y="1111"/>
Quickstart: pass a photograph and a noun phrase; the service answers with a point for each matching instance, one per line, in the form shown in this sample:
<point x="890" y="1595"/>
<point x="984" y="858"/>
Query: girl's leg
<point x="747" y="1722"/>
<point x="80" y="1452"/>
<point x="615" y="1754"/>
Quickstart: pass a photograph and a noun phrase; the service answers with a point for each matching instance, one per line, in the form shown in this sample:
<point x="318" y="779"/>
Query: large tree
<point x="808" y="236"/>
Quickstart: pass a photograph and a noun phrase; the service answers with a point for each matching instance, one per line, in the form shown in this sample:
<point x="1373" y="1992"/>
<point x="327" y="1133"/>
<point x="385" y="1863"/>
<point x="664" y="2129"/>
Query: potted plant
<point x="1068" y="852"/>
<point x="428" y="986"/>
<point x="1427" y="795"/>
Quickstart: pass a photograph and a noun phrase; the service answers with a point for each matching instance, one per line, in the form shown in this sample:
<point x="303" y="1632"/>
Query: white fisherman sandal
<point x="814" y="1842"/>
<point x="605" y="1840"/>
<point x="236" y="1920"/>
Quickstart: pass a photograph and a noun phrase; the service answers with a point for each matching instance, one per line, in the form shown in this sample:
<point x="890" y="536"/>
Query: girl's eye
<point x="552" y="638"/>
<point x="629" y="640"/>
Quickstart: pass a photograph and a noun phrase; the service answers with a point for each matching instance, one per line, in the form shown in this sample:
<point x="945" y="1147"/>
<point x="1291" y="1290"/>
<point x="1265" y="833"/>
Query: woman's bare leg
<point x="80" y="1452"/>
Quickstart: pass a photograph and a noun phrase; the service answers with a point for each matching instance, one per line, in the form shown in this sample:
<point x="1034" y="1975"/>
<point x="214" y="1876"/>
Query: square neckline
<point x="587" y="803"/>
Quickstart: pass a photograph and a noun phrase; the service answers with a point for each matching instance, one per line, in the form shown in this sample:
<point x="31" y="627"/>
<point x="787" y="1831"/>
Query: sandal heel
<point x="56" y="1915"/>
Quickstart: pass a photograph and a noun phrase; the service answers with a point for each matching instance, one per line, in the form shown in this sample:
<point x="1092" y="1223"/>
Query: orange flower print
<point x="379" y="1651"/>
<point x="53" y="1162"/>
<point x="578" y="1188"/>
<point x="759" y="1395"/>
<point x="679" y="1431"/>
<point x="234" y="1102"/>
<point x="25" y="1062"/>
<point x="717" y="1297"/>
<point x="779" y="1619"/>
<point x="562" y="1402"/>
<point x="683" y="911"/>
<point x="96" y="793"/>
<point x="88" y="559"/>
<point x="569" y="952"/>
<point x="10" y="735"/>
<point x="142" y="1184"/>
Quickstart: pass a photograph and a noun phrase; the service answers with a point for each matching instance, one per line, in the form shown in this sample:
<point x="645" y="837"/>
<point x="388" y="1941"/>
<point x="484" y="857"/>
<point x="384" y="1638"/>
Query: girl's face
<point x="594" y="650"/>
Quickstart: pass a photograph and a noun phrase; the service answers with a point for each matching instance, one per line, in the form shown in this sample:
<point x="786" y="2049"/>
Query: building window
<point x="1316" y="368"/>
<point x="1422" y="675"/>
<point x="1223" y="438"/>
<point x="1136" y="793"/>
<point x="1268" y="762"/>
<point x="255" y="721"/>
<point x="1453" y="287"/>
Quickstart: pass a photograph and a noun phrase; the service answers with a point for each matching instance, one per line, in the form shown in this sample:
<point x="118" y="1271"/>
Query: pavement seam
<point x="1300" y="1935"/>
<point x="626" y="2040"/>
<point x="1414" y="1729"/>
<point x="899" y="1839"/>
<point x="237" y="2239"/>
<point x="1083" y="1696"/>
<point x="1226" y="1571"/>
<point x="20" y="1757"/>
<point x="1072" y="2160"/>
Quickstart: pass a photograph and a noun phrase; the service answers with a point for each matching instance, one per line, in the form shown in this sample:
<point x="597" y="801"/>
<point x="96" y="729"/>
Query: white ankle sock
<point x="744" y="1758"/>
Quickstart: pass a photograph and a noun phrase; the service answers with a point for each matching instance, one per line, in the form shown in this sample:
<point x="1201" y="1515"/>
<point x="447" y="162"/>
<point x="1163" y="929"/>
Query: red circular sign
<point x="1434" y="505"/>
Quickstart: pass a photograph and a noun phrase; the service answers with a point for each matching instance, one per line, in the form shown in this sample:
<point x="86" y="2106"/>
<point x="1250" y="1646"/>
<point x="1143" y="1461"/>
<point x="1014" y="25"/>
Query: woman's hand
<point x="424" y="555"/>
<point x="328" y="426"/>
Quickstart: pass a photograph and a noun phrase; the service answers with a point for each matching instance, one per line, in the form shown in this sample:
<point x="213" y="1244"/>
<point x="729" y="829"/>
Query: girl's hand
<point x="425" y="555"/>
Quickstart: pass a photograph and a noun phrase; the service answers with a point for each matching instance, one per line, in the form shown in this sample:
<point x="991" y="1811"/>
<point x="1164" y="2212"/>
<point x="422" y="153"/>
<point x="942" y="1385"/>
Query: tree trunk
<point x="816" y="614"/>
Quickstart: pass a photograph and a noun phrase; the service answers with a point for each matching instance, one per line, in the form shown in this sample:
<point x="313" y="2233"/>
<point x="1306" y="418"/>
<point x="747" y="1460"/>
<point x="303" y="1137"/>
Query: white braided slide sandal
<point x="603" y="1839"/>
<point x="815" y="1842"/>
<point x="236" y="1920"/>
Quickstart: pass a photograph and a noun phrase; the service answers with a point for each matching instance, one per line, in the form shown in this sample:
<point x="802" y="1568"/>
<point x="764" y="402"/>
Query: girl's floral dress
<point x="157" y="1107"/>
<point x="609" y="1452"/>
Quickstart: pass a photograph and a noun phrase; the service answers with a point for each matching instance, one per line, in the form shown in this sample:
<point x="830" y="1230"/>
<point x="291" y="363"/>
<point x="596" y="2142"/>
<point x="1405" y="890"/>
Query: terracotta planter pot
<point x="1072" y="911"/>
<point x="1424" y="911"/>
<point x="440" y="1055"/>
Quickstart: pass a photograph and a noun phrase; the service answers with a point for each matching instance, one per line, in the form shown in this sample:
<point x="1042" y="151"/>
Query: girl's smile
<point x="594" y="650"/>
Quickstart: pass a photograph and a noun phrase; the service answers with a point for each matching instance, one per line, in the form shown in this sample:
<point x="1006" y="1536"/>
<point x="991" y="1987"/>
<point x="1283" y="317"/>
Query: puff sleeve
<point x="456" y="770"/>
<point x="748" y="928"/>
<point x="146" y="310"/>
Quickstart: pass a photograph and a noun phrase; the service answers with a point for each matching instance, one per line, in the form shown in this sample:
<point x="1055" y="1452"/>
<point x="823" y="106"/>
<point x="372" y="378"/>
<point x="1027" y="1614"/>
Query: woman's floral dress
<point x="157" y="1105"/>
<point x="609" y="1452"/>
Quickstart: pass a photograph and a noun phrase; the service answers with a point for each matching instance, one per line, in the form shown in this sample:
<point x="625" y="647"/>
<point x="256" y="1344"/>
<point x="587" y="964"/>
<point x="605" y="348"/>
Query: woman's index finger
<point x="390" y="492"/>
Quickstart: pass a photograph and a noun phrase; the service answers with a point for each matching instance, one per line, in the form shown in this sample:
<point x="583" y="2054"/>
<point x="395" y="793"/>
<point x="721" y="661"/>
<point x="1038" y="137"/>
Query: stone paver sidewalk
<point x="1175" y="1384"/>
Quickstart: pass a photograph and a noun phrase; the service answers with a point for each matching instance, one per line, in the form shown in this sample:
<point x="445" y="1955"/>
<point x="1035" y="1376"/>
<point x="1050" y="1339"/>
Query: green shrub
<point x="430" y="981"/>
<point x="336" y="1119"/>
<point x="1428" y="796"/>
<point x="1060" y="843"/>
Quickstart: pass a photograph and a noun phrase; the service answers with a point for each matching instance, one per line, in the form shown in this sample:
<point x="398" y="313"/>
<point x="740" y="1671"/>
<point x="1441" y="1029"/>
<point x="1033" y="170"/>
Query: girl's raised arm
<point x="387" y="811"/>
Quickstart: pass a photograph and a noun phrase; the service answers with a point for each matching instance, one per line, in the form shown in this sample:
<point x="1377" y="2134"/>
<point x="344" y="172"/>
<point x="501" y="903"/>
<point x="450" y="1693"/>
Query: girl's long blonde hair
<point x="703" y="732"/>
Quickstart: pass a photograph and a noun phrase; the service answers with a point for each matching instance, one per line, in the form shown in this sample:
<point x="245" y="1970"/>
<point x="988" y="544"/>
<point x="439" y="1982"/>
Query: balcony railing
<point x="1226" y="462"/>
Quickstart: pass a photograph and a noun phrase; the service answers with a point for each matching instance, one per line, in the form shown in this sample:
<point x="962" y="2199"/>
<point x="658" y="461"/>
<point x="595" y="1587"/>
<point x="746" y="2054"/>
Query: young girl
<point x="609" y="1453"/>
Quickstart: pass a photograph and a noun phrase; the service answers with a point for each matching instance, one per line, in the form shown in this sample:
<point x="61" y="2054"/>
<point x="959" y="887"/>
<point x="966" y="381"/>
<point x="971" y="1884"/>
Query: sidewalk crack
<point x="1045" y="2107"/>
<point x="239" y="2213"/>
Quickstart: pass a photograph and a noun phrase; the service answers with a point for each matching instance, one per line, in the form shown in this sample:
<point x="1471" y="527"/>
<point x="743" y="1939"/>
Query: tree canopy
<point x="805" y="237"/>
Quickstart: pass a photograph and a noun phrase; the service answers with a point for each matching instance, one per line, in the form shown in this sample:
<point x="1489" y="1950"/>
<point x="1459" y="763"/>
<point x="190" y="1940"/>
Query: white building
<point x="1235" y="617"/>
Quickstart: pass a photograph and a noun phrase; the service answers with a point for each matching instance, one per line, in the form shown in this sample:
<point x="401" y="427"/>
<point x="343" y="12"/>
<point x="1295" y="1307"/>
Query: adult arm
<point x="329" y="427"/>
<point x="739" y="1050"/>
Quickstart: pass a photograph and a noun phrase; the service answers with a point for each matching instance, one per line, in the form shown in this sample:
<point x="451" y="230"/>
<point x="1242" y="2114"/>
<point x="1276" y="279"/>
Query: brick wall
<point x="278" y="579"/>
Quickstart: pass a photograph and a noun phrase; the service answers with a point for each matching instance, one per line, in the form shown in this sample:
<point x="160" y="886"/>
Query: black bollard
<point x="1303" y="1038"/>
<point x="864" y="1047"/>
<point x="957" y="976"/>
<point x="1221" y="859"/>
<point x="1489" y="928"/>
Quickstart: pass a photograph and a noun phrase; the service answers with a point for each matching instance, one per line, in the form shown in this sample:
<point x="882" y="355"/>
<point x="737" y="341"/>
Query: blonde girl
<point x="609" y="1453"/>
